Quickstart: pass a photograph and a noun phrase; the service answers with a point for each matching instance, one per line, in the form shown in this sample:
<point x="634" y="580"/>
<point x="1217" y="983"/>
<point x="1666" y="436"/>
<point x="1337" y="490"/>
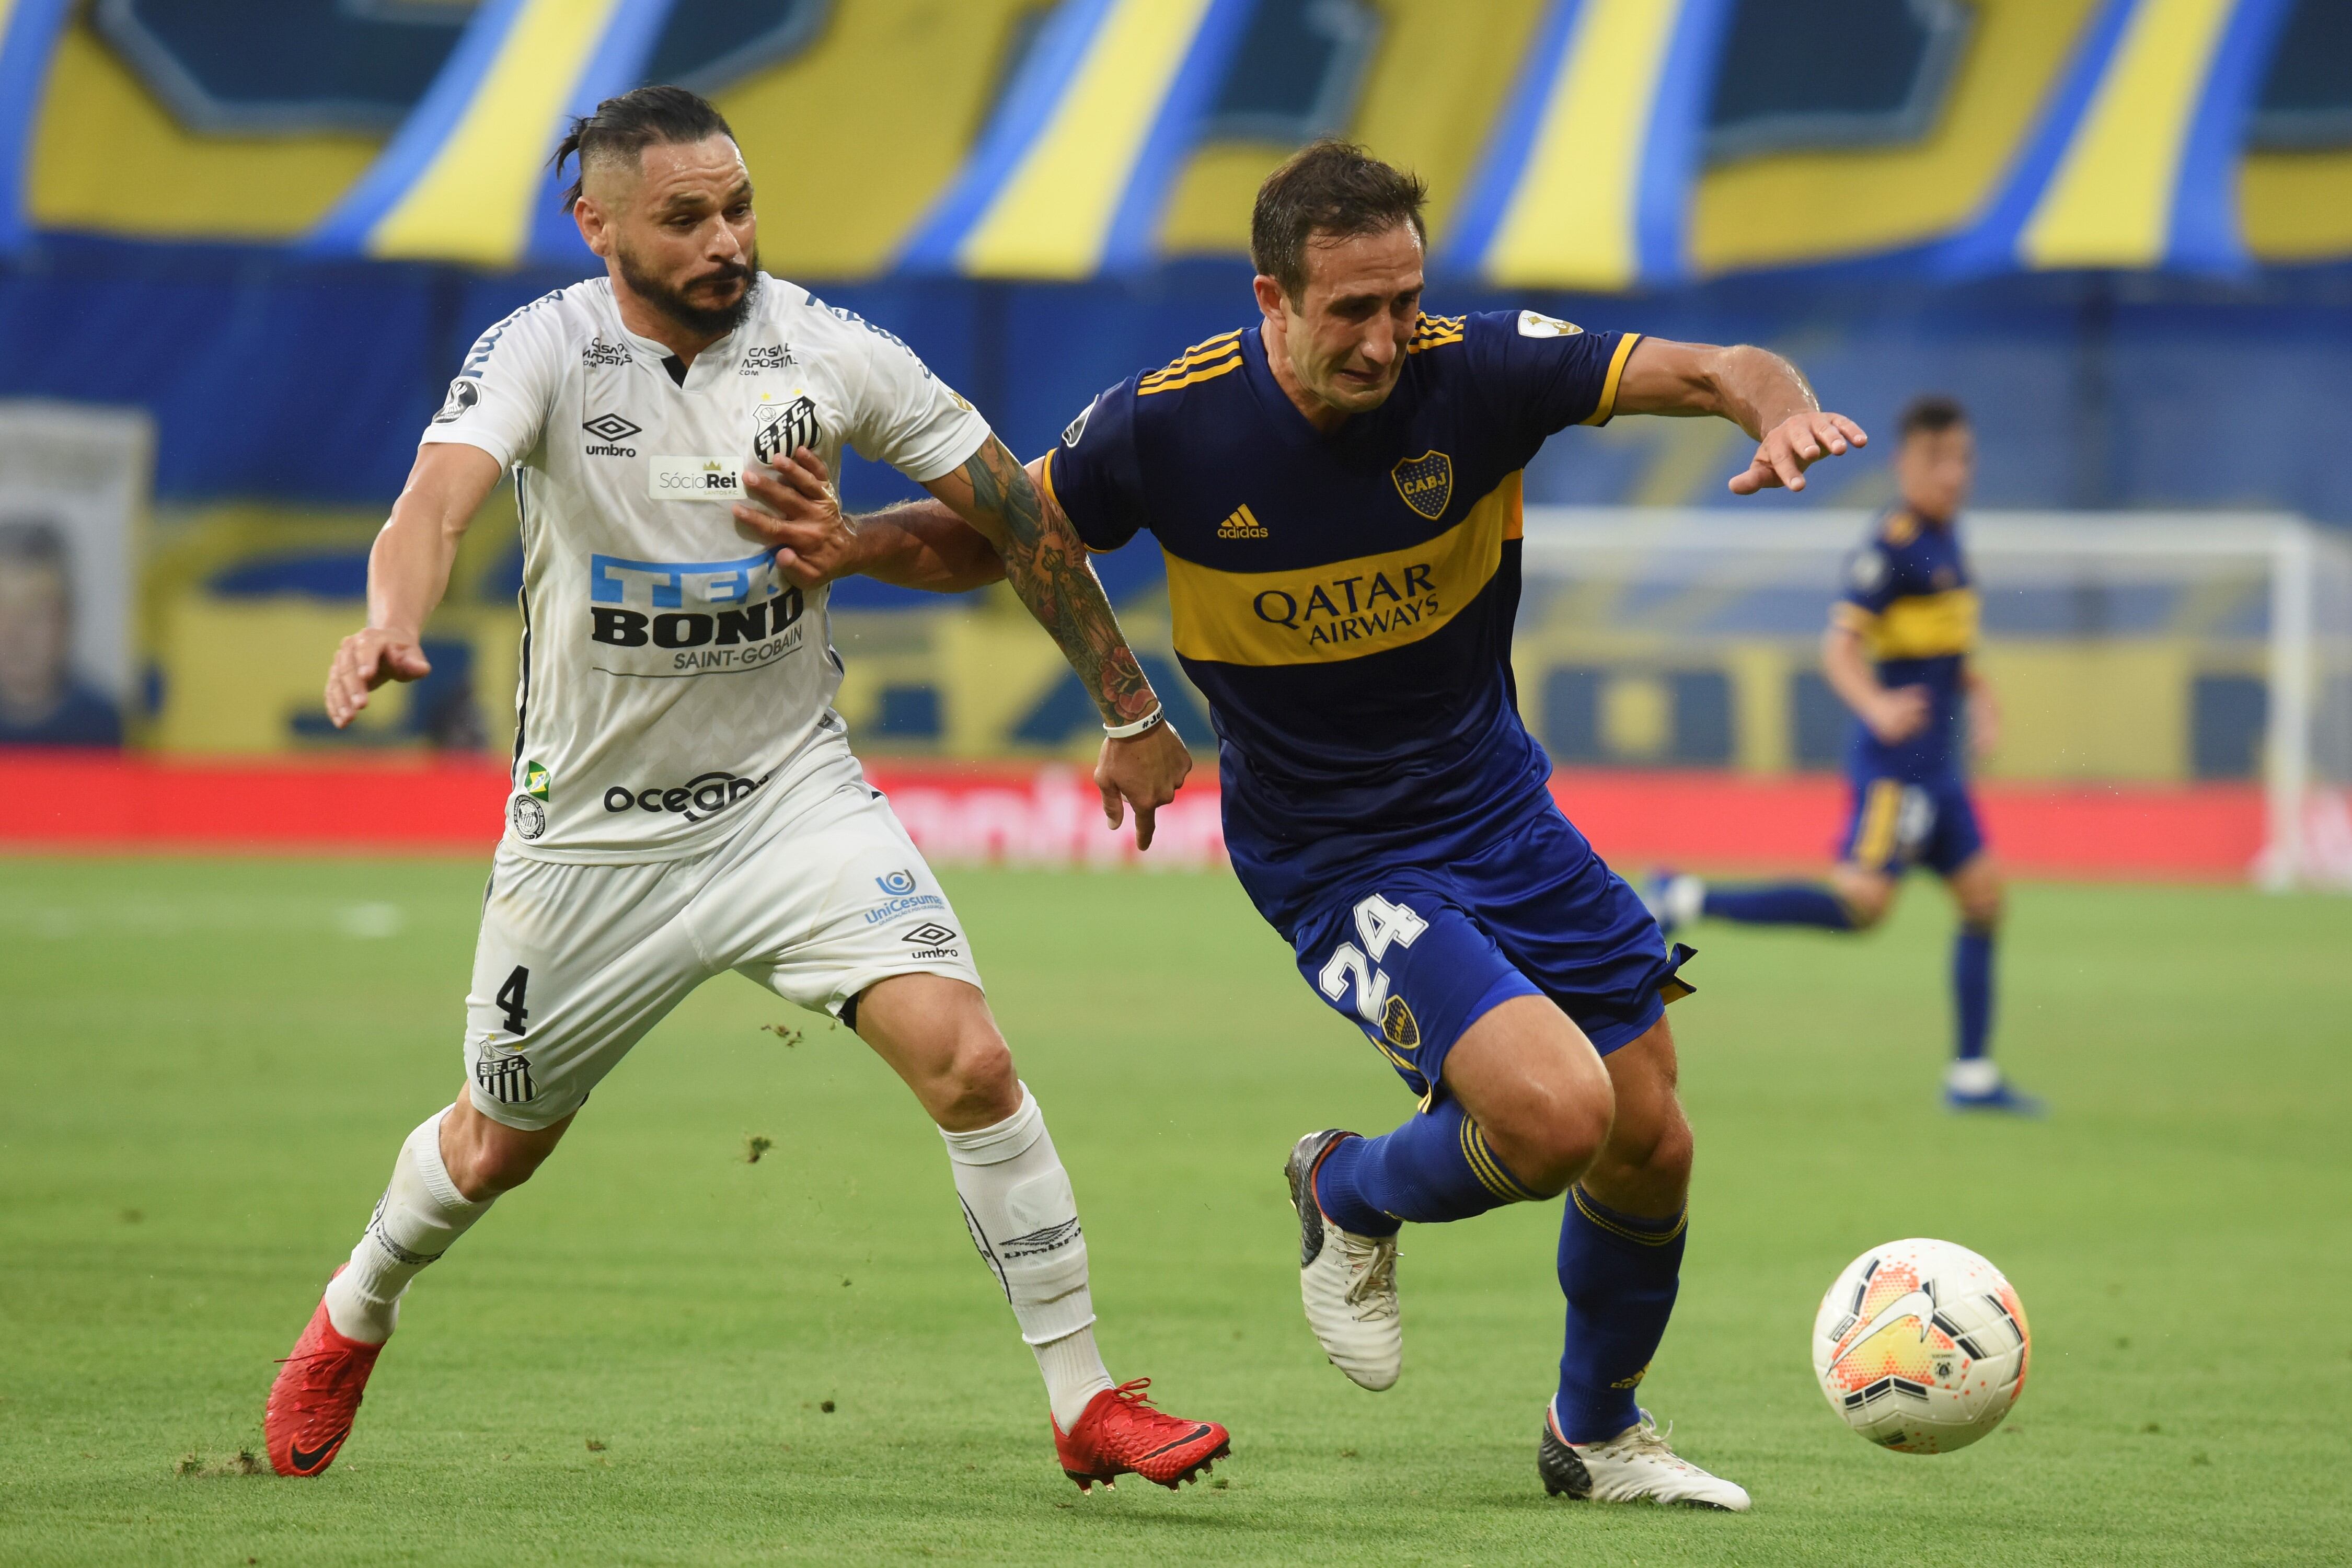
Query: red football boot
<point x="316" y="1394"/>
<point x="1120" y="1431"/>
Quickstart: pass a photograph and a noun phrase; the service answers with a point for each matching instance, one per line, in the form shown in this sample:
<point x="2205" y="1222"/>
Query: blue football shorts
<point x="1415" y="950"/>
<point x="1895" y="824"/>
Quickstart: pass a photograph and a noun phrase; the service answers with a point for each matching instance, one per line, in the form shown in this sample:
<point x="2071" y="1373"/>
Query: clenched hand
<point x="799" y="517"/>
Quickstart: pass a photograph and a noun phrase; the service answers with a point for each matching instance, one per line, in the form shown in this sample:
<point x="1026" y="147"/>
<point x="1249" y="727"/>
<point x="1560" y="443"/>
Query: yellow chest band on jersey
<point x="1345" y="609"/>
<point x="1925" y="625"/>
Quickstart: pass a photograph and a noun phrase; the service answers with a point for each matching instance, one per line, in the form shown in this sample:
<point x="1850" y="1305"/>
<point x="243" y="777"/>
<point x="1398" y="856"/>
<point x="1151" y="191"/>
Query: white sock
<point x="1024" y="1221"/>
<point x="1972" y="1075"/>
<point x="420" y="1213"/>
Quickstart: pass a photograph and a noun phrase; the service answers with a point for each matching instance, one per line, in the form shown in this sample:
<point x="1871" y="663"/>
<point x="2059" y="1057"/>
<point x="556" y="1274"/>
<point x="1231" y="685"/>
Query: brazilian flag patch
<point x="534" y="781"/>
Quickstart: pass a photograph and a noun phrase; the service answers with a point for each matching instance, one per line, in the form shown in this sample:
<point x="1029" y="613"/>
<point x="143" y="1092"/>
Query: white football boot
<point x="1347" y="1281"/>
<point x="1635" y="1466"/>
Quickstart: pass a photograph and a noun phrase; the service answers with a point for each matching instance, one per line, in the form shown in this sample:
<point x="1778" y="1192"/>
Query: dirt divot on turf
<point x="191" y="1466"/>
<point x="754" y="1145"/>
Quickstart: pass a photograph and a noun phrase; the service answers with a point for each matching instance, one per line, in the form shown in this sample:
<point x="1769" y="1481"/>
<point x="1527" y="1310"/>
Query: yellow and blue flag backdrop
<point x="28" y="36"/>
<point x="2133" y="162"/>
<point x="1589" y="144"/>
<point x="1072" y="173"/>
<point x="1585" y="185"/>
<point x="465" y="177"/>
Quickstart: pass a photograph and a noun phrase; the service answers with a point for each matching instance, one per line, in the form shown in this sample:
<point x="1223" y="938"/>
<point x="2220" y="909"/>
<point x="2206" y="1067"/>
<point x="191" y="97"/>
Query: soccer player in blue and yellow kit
<point x="1896" y="652"/>
<point x="1335" y="489"/>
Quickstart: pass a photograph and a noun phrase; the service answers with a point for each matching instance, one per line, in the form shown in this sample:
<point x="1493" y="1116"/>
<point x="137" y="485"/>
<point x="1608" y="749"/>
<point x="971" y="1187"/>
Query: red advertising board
<point x="1050" y="815"/>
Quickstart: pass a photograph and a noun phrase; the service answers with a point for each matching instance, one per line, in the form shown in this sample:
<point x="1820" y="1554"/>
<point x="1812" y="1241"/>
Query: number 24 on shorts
<point x="1379" y="923"/>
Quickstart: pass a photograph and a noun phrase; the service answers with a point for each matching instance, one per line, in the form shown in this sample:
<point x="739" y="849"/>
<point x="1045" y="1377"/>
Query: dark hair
<point x="1328" y="187"/>
<point x="1932" y="414"/>
<point x="626" y="126"/>
<point x="32" y="541"/>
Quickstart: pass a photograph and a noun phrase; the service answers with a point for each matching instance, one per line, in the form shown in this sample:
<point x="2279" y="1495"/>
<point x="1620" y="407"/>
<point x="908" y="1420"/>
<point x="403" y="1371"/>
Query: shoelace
<point x="1643" y="1439"/>
<point x="1373" y="1289"/>
<point x="317" y="1378"/>
<point x="1131" y="1394"/>
<point x="1141" y="1408"/>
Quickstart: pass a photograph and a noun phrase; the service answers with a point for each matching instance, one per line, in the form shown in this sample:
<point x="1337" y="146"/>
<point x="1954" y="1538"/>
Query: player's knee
<point x="978" y="1086"/>
<point x="1551" y="1153"/>
<point x="1982" y="907"/>
<point x="1667" y="1161"/>
<point x="498" y="1159"/>
<point x="1866" y="903"/>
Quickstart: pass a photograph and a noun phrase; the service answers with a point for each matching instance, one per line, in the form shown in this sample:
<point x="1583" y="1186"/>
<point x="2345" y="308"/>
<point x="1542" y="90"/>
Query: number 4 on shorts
<point x="510" y="998"/>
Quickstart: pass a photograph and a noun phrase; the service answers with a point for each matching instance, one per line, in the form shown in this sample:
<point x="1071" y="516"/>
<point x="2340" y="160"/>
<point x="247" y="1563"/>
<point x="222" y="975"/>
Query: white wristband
<point x="1129" y="732"/>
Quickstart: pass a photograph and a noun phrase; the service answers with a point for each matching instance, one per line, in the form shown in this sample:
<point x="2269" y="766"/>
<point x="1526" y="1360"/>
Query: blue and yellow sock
<point x="1779" y="904"/>
<point x="1434" y="1168"/>
<point x="1620" y="1273"/>
<point x="1972" y="990"/>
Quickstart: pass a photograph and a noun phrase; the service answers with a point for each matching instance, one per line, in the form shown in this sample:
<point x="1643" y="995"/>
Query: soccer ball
<point x="1921" y="1346"/>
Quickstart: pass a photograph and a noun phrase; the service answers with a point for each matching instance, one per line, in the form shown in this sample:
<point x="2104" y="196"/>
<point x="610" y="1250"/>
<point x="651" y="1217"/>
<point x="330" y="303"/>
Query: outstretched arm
<point x="408" y="571"/>
<point x="990" y="519"/>
<point x="1047" y="564"/>
<point x="1754" y="388"/>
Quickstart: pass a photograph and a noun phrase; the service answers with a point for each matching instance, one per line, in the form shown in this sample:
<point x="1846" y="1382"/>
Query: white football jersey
<point x="668" y="667"/>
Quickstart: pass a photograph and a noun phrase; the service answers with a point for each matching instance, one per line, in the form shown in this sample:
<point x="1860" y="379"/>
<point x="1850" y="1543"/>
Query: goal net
<point x="2151" y="649"/>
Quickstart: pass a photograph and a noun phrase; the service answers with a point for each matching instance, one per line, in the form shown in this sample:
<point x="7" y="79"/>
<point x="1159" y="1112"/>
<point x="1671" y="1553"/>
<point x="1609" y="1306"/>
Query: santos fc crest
<point x="1427" y="483"/>
<point x="784" y="428"/>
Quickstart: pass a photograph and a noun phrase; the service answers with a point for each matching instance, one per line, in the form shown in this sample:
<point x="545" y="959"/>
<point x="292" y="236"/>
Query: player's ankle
<point x="1074" y="1373"/>
<point x="1343" y="1203"/>
<point x="1972" y="1075"/>
<point x="357" y="1315"/>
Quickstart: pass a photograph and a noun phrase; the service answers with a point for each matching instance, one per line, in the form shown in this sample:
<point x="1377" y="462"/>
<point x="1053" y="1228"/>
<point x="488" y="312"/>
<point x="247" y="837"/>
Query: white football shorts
<point x="817" y="895"/>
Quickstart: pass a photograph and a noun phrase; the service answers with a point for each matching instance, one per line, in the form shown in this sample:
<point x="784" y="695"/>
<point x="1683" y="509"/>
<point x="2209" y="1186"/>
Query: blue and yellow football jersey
<point x="1909" y="593"/>
<point x="1346" y="601"/>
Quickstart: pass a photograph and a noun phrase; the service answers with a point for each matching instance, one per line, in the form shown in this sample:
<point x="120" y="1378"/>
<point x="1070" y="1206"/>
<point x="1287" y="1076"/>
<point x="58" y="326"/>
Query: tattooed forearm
<point x="1047" y="564"/>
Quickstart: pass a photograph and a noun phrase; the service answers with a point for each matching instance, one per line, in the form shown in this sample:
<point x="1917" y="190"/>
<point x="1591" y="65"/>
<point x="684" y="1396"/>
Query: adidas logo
<point x="1242" y="524"/>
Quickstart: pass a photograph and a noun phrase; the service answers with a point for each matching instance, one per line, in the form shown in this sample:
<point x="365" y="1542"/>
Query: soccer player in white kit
<point x="684" y="798"/>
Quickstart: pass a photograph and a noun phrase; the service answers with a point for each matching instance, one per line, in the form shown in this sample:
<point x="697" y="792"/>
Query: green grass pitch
<point x="206" y="1067"/>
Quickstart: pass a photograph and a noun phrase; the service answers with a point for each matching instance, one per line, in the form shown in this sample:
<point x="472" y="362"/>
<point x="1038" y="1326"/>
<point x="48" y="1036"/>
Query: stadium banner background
<point x="1048" y="814"/>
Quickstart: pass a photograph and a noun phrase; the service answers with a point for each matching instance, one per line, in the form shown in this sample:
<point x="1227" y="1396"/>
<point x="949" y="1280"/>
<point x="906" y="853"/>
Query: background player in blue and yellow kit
<point x="1896" y="652"/>
<point x="1335" y="489"/>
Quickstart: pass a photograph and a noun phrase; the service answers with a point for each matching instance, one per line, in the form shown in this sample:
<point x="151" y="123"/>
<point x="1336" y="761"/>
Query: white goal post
<point x="2126" y="647"/>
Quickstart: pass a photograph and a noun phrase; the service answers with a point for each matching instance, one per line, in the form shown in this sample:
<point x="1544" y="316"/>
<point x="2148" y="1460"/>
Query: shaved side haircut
<point x="626" y="126"/>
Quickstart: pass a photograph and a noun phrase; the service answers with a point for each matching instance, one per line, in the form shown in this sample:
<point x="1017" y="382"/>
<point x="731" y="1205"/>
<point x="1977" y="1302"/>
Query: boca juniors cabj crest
<point x="1425" y="482"/>
<point x="784" y="428"/>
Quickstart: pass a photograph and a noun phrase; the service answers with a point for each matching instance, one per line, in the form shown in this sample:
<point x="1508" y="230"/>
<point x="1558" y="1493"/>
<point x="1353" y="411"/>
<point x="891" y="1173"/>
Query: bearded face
<point x="711" y="298"/>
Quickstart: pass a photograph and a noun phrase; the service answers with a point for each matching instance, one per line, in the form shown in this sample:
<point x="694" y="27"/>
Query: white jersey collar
<point x="708" y="365"/>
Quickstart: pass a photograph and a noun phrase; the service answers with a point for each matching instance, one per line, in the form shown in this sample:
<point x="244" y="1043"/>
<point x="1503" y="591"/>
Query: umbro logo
<point x="932" y="939"/>
<point x="611" y="430"/>
<point x="1242" y="524"/>
<point x="1038" y="1242"/>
